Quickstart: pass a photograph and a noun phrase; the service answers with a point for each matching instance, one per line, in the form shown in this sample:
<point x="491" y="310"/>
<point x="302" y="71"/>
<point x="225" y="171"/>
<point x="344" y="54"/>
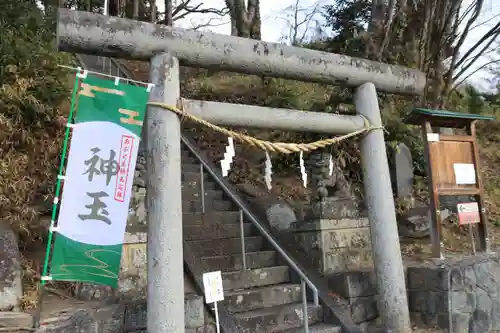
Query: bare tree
<point x="429" y="34"/>
<point x="181" y="9"/>
<point x="245" y="18"/>
<point x="299" y="21"/>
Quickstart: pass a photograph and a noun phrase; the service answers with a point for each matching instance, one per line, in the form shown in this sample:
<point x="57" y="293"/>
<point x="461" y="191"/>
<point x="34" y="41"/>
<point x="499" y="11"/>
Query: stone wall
<point x="359" y="289"/>
<point x="464" y="293"/>
<point x="133" y="275"/>
<point x="10" y="270"/>
<point x="126" y="317"/>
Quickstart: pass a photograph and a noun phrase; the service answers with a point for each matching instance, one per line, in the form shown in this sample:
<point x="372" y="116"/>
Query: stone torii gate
<point x="165" y="47"/>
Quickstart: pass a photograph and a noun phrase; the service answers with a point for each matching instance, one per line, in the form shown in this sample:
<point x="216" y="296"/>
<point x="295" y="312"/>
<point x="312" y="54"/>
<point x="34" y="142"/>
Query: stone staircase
<point x="263" y="298"/>
<point x="266" y="297"/>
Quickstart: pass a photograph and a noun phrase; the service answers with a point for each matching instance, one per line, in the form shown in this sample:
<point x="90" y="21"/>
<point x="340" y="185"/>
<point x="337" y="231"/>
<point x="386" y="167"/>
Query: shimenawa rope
<point x="281" y="147"/>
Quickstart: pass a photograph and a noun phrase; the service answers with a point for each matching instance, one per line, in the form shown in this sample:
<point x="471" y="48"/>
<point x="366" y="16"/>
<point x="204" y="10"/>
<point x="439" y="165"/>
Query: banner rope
<point x="60" y="176"/>
<point x="280" y="147"/>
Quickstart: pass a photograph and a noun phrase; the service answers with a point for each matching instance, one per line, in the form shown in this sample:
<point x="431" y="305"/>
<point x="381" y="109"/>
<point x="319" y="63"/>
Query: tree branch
<point x="474" y="72"/>
<point x="492" y="32"/>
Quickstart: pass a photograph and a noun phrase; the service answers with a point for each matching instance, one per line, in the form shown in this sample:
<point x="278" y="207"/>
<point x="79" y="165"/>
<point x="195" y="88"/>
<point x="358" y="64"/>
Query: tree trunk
<point x="135" y="14"/>
<point x="113" y="8"/>
<point x="168" y="13"/>
<point x="245" y="19"/>
<point x="152" y="3"/>
<point x="255" y="30"/>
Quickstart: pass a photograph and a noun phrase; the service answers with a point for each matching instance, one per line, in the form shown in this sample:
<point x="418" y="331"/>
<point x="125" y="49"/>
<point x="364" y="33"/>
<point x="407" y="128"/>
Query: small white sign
<point x="468" y="207"/>
<point x="465" y="173"/>
<point x="432" y="137"/>
<point x="212" y="283"/>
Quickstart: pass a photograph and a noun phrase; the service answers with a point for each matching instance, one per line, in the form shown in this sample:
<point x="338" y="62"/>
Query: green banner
<point x="98" y="181"/>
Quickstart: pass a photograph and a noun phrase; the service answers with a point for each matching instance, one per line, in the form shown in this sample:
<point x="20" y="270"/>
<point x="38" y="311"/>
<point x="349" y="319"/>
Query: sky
<point x="274" y="25"/>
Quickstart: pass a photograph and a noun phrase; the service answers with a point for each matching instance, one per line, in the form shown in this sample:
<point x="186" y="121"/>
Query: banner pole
<point x="43" y="278"/>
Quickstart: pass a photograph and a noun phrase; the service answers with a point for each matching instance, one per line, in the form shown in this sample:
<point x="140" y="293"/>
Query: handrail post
<point x="242" y="236"/>
<point x="202" y="185"/>
<point x="304" y="305"/>
<point x="315" y="296"/>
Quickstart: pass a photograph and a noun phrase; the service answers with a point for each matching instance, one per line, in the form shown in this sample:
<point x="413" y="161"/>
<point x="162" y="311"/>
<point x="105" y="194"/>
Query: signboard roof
<point x="442" y="118"/>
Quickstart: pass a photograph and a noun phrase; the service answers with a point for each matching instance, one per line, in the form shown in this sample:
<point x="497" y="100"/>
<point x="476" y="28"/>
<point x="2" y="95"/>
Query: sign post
<point x="468" y="214"/>
<point x="453" y="169"/>
<point x="214" y="292"/>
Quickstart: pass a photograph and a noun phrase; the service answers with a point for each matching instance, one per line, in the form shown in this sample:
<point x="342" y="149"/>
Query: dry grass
<point x="29" y="152"/>
<point x="31" y="134"/>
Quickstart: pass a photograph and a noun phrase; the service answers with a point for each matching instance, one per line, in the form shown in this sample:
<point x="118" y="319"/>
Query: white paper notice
<point x="465" y="173"/>
<point x="212" y="283"/>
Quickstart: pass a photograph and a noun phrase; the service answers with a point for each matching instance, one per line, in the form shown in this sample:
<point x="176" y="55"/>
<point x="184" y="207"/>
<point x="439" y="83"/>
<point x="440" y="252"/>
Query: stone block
<point x="363" y="309"/>
<point x="15" y="319"/>
<point x="403" y="163"/>
<point x="346" y="259"/>
<point x="280" y="215"/>
<point x="353" y="284"/>
<point x="335" y="208"/>
<point x="135" y="317"/>
<point x="462" y="301"/>
<point x="487" y="275"/>
<point x="11" y="289"/>
<point x="335" y="245"/>
<point x="331" y="224"/>
<point x="136" y="235"/>
<point x="93" y="292"/>
<point x="424" y="320"/>
<point x="80" y="321"/>
<point x="137" y="210"/>
<point x="133" y="278"/>
<point x="460" y="322"/>
<point x="110" y="318"/>
<point x="358" y="238"/>
<point x="194" y="309"/>
<point x="427" y="278"/>
<point x="428" y="302"/>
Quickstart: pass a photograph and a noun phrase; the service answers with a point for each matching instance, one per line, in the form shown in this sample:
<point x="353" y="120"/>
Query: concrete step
<point x="317" y="328"/>
<point x="278" y="318"/>
<point x="216" y="231"/>
<point x="136" y="314"/>
<point x="189" y="159"/>
<point x="256" y="298"/>
<point x="210" y="218"/>
<point x="233" y="262"/>
<point x="193" y="193"/>
<point x="258" y="277"/>
<point x="192" y="180"/>
<point x="193" y="206"/>
<point x="189" y="176"/>
<point x="208" y="248"/>
<point x="190" y="167"/>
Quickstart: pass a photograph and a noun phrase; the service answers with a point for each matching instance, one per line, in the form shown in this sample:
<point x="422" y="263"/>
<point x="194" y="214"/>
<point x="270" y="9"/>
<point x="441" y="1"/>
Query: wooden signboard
<point x="452" y="165"/>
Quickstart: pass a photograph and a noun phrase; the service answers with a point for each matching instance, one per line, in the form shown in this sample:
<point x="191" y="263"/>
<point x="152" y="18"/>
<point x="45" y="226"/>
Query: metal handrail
<point x="252" y="218"/>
